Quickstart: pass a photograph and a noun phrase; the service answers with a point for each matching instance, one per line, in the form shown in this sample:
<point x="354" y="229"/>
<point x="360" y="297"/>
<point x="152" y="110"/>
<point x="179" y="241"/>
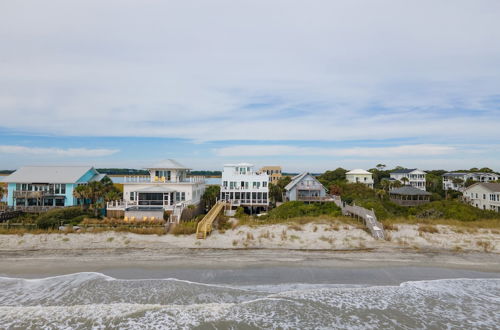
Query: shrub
<point x="68" y="215"/>
<point x="297" y="209"/>
<point x="185" y="228"/>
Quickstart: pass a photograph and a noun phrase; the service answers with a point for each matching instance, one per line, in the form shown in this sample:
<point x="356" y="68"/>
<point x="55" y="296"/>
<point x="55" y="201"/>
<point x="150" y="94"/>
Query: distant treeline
<point x="6" y="172"/>
<point x="207" y="173"/>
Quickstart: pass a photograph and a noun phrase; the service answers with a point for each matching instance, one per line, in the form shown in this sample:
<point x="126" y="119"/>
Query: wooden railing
<point x="204" y="227"/>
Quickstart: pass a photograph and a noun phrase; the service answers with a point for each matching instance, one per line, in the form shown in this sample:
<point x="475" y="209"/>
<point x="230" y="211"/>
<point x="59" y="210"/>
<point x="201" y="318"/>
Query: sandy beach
<point x="311" y="245"/>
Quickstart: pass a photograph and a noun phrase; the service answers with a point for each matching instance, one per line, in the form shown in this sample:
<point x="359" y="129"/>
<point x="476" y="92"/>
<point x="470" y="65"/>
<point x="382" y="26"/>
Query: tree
<point x="469" y="182"/>
<point x="2" y="192"/>
<point x="112" y="195"/>
<point x="210" y="196"/>
<point x="458" y="182"/>
<point x="335" y="190"/>
<point x="81" y="193"/>
<point x="380" y="167"/>
<point x="405" y="181"/>
<point x="332" y="177"/>
<point x="275" y="193"/>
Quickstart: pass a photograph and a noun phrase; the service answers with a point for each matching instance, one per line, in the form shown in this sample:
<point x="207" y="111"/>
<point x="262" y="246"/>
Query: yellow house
<point x="274" y="173"/>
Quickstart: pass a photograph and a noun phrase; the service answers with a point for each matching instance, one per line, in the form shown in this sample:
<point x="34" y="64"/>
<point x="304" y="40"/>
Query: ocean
<point x="95" y="300"/>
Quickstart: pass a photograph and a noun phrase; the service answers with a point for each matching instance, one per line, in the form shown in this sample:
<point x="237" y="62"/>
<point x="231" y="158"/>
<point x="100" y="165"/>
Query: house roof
<point x="404" y="170"/>
<point x="169" y="164"/>
<point x="491" y="186"/>
<point x="455" y="174"/>
<point x="409" y="191"/>
<point x="48" y="174"/>
<point x="296" y="179"/>
<point x="358" y="171"/>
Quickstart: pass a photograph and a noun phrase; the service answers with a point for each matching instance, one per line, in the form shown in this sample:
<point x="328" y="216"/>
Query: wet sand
<point x="254" y="266"/>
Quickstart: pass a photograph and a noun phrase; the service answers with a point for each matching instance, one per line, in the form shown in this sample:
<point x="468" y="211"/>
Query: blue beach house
<point x="39" y="188"/>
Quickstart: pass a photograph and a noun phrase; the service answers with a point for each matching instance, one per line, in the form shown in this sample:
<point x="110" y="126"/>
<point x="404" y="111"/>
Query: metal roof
<point x="491" y="186"/>
<point x="358" y="171"/>
<point x="169" y="164"/>
<point x="409" y="190"/>
<point x="404" y="170"/>
<point x="48" y="174"/>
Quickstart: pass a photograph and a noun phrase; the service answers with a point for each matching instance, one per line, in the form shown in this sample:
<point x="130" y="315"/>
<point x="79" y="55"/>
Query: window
<point x="183" y="196"/>
<point x="59" y="202"/>
<point x="224" y="184"/>
<point x="264" y="184"/>
<point x="484" y="196"/>
<point x="132" y="196"/>
<point x="246" y="185"/>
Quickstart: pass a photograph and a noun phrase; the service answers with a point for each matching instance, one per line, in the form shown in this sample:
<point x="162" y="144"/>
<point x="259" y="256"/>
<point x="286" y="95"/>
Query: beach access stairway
<point x="204" y="227"/>
<point x="367" y="216"/>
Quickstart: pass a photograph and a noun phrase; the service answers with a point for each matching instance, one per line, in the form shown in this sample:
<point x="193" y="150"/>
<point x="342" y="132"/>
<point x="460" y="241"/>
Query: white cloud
<point x="189" y="69"/>
<point x="285" y="150"/>
<point x="70" y="152"/>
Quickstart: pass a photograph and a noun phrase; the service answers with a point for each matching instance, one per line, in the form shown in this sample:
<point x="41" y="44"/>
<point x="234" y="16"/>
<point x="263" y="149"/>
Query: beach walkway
<point x="367" y="216"/>
<point x="204" y="227"/>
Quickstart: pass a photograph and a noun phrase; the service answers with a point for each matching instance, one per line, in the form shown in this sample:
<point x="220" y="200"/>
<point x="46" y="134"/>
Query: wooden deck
<point x="204" y="227"/>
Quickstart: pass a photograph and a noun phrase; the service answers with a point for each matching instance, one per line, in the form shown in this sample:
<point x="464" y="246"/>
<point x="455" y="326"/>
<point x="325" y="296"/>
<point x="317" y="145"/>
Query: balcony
<point x="29" y="194"/>
<point x="149" y="179"/>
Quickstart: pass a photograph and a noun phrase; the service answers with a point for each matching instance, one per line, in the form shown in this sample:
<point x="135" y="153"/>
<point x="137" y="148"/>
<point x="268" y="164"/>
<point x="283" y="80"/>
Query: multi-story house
<point x="39" y="188"/>
<point x="274" y="173"/>
<point x="306" y="188"/>
<point x="456" y="180"/>
<point x="412" y="177"/>
<point x="168" y="185"/>
<point x="483" y="195"/>
<point x="242" y="186"/>
<point x="360" y="176"/>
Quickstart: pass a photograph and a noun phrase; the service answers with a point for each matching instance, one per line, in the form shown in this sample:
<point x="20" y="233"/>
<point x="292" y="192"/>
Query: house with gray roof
<point x="39" y="188"/>
<point x="305" y="187"/>
<point x="456" y="180"/>
<point x="483" y="195"/>
<point x="409" y="196"/>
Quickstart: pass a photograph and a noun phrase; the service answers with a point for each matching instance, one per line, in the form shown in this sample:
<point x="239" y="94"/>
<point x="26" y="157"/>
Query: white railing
<point x="149" y="179"/>
<point x="137" y="179"/>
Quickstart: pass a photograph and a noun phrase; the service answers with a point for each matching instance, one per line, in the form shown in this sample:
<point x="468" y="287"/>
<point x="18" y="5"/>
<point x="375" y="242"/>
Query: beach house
<point x="168" y="187"/>
<point x="306" y="188"/>
<point x="360" y="176"/>
<point x="274" y="173"/>
<point x="483" y="195"/>
<point x="242" y="186"/>
<point x="40" y="188"/>
<point x="409" y="196"/>
<point x="456" y="180"/>
<point x="412" y="177"/>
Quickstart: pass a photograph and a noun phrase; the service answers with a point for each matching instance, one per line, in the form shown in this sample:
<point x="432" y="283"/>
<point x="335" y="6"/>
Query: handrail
<point x="204" y="227"/>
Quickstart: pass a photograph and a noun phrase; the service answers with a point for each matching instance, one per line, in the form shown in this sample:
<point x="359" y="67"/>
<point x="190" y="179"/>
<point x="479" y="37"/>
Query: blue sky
<point x="306" y="85"/>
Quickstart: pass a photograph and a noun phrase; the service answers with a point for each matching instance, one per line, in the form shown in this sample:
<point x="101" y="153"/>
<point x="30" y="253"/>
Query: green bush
<point x="185" y="228"/>
<point x="68" y="215"/>
<point x="299" y="209"/>
<point x="454" y="210"/>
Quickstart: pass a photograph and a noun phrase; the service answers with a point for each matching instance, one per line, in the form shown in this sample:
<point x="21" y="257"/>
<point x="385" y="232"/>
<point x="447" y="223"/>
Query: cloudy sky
<point x="309" y="85"/>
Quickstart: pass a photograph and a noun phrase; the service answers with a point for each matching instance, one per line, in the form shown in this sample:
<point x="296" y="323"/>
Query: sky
<point x="308" y="85"/>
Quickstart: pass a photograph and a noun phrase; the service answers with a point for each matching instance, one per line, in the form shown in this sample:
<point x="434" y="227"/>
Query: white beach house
<point x="414" y="177"/>
<point x="456" y="180"/>
<point x="360" y="176"/>
<point x="242" y="186"/>
<point x="166" y="188"/>
<point x="483" y="195"/>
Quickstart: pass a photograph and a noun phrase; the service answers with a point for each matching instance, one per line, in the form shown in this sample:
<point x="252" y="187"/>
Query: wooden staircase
<point x="205" y="225"/>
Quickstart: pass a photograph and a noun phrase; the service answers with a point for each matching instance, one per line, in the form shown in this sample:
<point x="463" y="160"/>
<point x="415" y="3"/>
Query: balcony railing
<point x="149" y="179"/>
<point x="29" y="194"/>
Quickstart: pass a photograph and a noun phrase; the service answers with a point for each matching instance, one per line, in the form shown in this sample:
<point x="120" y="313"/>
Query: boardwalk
<point x="205" y="225"/>
<point x="367" y="216"/>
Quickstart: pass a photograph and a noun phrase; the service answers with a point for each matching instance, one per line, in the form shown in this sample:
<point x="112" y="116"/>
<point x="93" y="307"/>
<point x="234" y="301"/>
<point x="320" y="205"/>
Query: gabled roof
<point x="48" y="174"/>
<point x="409" y="191"/>
<point x="491" y="186"/>
<point x="296" y="179"/>
<point x="169" y="164"/>
<point x="358" y="171"/>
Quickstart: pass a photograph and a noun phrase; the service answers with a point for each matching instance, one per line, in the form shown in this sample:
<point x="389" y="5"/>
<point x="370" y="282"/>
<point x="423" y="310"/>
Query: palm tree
<point x="396" y="184"/>
<point x="2" y="192"/>
<point x="112" y="195"/>
<point x="405" y="181"/>
<point x="81" y="192"/>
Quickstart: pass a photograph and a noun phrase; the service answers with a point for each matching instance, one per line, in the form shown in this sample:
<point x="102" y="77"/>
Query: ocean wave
<point x="86" y="300"/>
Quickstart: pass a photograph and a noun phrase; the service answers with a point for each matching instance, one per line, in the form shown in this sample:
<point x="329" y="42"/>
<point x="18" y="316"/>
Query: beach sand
<point x="339" y="254"/>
